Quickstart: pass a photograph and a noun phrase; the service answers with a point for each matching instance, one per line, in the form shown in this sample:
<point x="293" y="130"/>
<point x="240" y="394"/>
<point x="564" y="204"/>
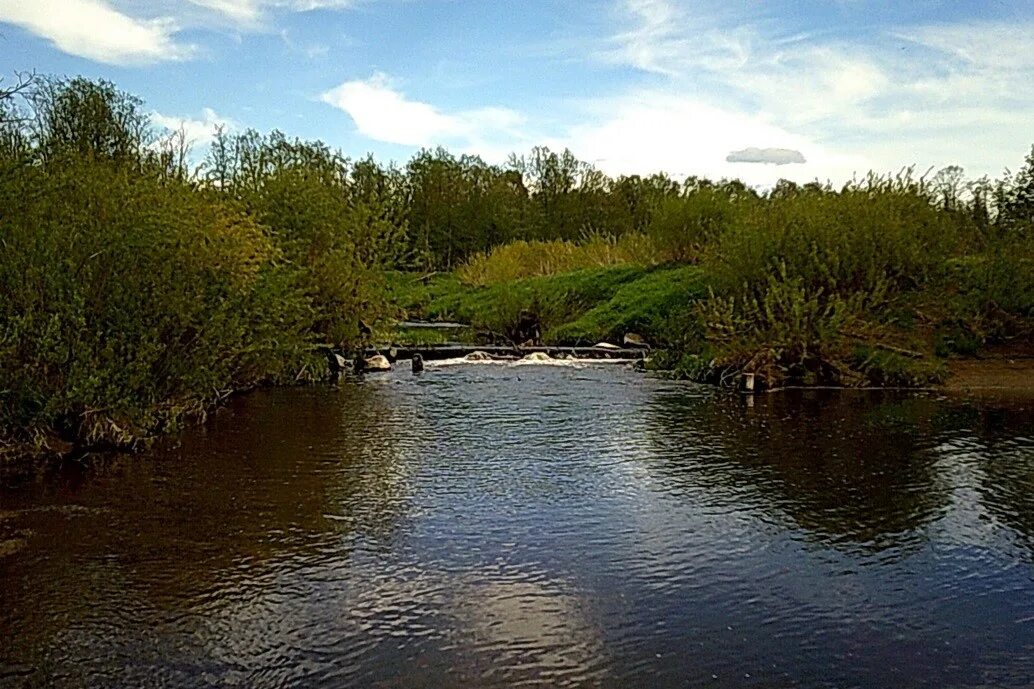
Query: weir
<point x="455" y="350"/>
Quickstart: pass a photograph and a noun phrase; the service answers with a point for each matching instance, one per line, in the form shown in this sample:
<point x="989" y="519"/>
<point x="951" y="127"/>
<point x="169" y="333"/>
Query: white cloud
<point x="651" y="42"/>
<point x="198" y="131"/>
<point x="382" y="113"/>
<point x="132" y="32"/>
<point x="672" y="39"/>
<point x="241" y="11"/>
<point x="94" y="30"/>
<point x="714" y="82"/>
<point x="253" y="12"/>
<point x="309" y="50"/>
<point x="766" y="156"/>
<point x="998" y="46"/>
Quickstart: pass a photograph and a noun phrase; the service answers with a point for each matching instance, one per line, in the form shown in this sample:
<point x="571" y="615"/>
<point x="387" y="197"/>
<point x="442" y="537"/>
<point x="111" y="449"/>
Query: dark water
<point x="568" y="528"/>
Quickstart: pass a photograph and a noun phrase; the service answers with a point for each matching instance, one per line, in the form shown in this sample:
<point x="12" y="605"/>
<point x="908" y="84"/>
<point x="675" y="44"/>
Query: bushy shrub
<point x="136" y="297"/>
<point x="130" y="302"/>
<point x="682" y="226"/>
<point x="799" y="277"/>
<point x="335" y="247"/>
<point x="870" y="233"/>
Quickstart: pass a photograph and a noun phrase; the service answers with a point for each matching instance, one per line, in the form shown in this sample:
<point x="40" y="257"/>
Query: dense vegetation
<point x="138" y="293"/>
<point x="873" y="283"/>
<point x="140" y="289"/>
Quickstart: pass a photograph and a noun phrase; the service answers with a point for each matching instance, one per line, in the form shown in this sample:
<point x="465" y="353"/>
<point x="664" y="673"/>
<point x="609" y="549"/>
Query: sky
<point x="758" y="90"/>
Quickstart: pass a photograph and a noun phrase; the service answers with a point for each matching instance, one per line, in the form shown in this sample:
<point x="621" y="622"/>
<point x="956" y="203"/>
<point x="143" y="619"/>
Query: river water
<point x="500" y="526"/>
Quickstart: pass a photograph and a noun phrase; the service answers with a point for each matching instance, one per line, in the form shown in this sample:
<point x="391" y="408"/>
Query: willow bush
<point x="136" y="296"/>
<point x="335" y="236"/>
<point x="805" y="279"/>
<point x="681" y="226"/>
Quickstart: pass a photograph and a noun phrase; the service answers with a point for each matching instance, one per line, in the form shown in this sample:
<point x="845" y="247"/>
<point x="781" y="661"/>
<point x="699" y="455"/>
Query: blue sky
<point x="633" y="85"/>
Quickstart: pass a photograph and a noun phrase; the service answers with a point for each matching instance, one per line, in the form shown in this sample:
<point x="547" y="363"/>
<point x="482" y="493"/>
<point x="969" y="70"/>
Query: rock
<point x="478" y="356"/>
<point x="378" y="362"/>
<point x="606" y="345"/>
<point x="528" y="343"/>
<point x="537" y="356"/>
<point x="635" y="340"/>
<point x="337" y="362"/>
<point x="418" y="363"/>
<point x="12" y="546"/>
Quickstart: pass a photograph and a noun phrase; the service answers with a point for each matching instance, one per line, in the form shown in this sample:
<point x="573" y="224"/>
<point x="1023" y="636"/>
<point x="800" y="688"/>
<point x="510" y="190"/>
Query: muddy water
<point x="497" y="526"/>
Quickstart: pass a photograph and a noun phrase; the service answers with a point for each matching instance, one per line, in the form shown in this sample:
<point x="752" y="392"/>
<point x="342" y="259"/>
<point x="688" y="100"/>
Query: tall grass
<point x="523" y="259"/>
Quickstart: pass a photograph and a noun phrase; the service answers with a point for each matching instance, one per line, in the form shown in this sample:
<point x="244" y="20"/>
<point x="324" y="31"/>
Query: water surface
<point x="495" y="526"/>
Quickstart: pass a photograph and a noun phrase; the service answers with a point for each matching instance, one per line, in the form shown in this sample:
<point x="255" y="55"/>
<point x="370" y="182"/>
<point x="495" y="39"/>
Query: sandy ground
<point x="1001" y="376"/>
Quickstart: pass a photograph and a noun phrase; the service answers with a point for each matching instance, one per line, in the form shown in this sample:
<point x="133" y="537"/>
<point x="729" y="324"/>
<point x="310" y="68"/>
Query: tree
<point x="1017" y="212"/>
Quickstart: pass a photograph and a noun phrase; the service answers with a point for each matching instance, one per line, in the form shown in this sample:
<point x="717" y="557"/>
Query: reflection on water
<point x="526" y="526"/>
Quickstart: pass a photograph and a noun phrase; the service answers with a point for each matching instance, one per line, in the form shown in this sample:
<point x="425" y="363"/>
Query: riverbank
<point x="1002" y="373"/>
<point x="660" y="306"/>
<point x="577" y="308"/>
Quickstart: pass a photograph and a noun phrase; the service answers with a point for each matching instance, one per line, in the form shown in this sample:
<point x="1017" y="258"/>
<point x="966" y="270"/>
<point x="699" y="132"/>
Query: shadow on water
<point x="850" y="469"/>
<point x="855" y="469"/>
<point x="125" y="541"/>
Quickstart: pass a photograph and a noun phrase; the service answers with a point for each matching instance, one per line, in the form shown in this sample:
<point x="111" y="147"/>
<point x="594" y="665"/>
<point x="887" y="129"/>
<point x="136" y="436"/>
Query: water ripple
<point x="531" y="526"/>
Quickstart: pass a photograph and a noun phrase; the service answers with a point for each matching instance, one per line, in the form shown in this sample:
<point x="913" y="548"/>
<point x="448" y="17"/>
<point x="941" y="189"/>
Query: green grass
<point x="579" y="307"/>
<point x="647" y="306"/>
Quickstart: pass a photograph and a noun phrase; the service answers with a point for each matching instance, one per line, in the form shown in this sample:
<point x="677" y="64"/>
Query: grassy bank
<point x="669" y="305"/>
<point x="576" y="308"/>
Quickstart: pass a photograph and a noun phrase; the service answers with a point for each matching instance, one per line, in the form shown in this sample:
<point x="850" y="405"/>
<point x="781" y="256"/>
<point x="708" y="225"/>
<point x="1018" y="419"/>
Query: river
<point x="533" y="526"/>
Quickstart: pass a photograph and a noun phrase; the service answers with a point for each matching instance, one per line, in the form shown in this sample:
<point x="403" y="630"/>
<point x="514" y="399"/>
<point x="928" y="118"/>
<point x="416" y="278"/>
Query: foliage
<point x="137" y="297"/>
<point x="649" y="306"/>
<point x="802" y="277"/>
<point x="681" y="226"/>
<point x="335" y="233"/>
<point x="545" y="301"/>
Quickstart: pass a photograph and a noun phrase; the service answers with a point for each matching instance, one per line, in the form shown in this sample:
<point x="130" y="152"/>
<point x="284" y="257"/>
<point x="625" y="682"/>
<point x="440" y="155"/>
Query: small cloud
<point x="766" y="156"/>
<point x="312" y="51"/>
<point x="198" y="131"/>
